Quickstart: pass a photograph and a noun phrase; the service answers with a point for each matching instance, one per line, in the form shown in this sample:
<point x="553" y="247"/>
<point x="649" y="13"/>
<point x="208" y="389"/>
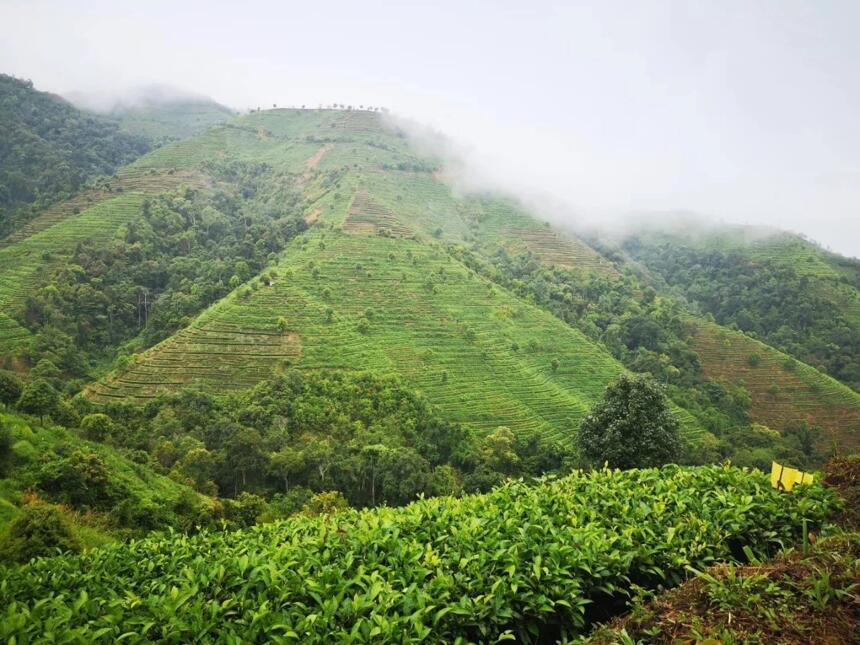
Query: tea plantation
<point x="523" y="562"/>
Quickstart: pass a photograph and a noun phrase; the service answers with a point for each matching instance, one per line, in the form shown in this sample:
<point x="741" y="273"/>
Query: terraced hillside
<point x="372" y="286"/>
<point x="354" y="301"/>
<point x="782" y="389"/>
<point x="28" y="256"/>
<point x="132" y="180"/>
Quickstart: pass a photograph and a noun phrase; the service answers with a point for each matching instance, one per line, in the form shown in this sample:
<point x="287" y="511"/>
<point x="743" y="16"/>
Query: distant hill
<point x="49" y="149"/>
<point x="159" y="113"/>
<point x="165" y="122"/>
<point x="780" y="287"/>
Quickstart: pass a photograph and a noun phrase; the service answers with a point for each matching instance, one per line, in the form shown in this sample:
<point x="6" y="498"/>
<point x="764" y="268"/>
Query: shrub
<point x="81" y="479"/>
<point x="754" y="360"/>
<point x="245" y="509"/>
<point x="40" y="530"/>
<point x="40" y="398"/>
<point x="326" y="503"/>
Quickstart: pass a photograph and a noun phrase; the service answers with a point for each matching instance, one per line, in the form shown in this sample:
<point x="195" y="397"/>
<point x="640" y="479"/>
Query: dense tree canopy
<point x="632" y="427"/>
<point x="49" y="149"/>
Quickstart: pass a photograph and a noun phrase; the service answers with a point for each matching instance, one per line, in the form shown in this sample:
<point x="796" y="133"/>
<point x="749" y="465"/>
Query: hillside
<point x="783" y="390"/>
<point x="49" y="149"/>
<point x="104" y="492"/>
<point x="373" y="287"/>
<point x="162" y="121"/>
<point x="30" y="254"/>
<point x="786" y="290"/>
<point x="392" y="277"/>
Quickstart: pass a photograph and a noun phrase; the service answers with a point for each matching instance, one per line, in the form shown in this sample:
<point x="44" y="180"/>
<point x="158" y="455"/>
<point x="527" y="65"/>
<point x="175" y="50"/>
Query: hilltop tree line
<point x="49" y="149"/>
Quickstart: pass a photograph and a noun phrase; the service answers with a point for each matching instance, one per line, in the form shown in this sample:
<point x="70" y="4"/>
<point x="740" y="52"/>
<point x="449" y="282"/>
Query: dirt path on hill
<point x="314" y="161"/>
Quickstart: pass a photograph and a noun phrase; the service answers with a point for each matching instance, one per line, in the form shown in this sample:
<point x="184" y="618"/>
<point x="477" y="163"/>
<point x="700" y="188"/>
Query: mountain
<point x="493" y="315"/>
<point x="158" y="113"/>
<point x="778" y="287"/>
<point x="166" y="121"/>
<point x="372" y="286"/>
<point x="49" y="149"/>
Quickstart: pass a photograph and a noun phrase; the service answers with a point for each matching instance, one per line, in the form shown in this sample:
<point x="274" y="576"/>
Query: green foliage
<point x="631" y="427"/>
<point x="40" y="398"/>
<point x="97" y="426"/>
<point x="175" y="252"/>
<point x="523" y="562"/>
<point x="80" y="479"/>
<point x="10" y="387"/>
<point x="50" y="149"/>
<point x="764" y="289"/>
<point x="41" y="530"/>
<point x="6" y="442"/>
<point x="325" y="503"/>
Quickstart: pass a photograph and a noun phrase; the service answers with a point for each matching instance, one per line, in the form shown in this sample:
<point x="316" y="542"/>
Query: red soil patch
<point x="314" y="161"/>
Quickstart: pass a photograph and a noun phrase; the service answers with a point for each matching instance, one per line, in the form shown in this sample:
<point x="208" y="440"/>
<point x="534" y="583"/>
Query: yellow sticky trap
<point x="784" y="478"/>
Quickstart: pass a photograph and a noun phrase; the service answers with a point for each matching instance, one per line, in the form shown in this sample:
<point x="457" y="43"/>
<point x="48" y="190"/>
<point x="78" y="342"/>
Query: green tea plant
<point x="523" y="562"/>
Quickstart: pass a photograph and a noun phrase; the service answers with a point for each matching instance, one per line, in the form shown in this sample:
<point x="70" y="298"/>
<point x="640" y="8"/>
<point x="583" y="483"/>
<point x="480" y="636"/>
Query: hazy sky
<point x="742" y="111"/>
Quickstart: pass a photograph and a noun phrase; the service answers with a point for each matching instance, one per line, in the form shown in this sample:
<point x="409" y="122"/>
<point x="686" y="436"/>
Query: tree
<point x="245" y="453"/>
<point x="370" y="457"/>
<point x="632" y="427"/>
<point x="199" y="465"/>
<point x="40" y="531"/>
<point x="5" y="447"/>
<point x="10" y="387"/>
<point x="285" y="463"/>
<point x="81" y="479"/>
<point x="97" y="427"/>
<point x="38" y="397"/>
<point x="498" y="451"/>
<point x="319" y="453"/>
<point x="326" y="503"/>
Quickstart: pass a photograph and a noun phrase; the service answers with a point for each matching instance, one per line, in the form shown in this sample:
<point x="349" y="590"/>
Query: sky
<point x="743" y="112"/>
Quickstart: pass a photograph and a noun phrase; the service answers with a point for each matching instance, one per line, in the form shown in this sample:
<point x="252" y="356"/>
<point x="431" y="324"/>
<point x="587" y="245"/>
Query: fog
<point x="603" y="112"/>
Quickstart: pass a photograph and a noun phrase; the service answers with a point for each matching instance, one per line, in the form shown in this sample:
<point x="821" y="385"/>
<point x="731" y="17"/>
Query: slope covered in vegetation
<point x="783" y="391"/>
<point x="105" y="492"/>
<point x="164" y="120"/>
<point x="527" y="562"/>
<point x="781" y="288"/>
<point x="49" y="149"/>
<point x="372" y="286"/>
